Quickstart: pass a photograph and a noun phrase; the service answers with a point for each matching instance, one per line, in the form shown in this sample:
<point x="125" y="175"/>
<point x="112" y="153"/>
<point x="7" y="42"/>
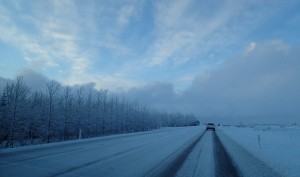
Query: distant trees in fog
<point x="64" y="113"/>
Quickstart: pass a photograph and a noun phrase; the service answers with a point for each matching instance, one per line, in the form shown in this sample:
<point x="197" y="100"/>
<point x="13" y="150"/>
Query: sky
<point x="223" y="60"/>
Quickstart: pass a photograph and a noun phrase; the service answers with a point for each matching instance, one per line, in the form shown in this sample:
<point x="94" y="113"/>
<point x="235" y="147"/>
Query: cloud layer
<point x="261" y="86"/>
<point x="119" y="45"/>
<point x="175" y="55"/>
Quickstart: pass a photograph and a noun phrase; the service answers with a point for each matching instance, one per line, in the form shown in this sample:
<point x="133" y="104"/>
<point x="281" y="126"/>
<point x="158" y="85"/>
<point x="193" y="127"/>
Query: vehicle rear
<point x="210" y="126"/>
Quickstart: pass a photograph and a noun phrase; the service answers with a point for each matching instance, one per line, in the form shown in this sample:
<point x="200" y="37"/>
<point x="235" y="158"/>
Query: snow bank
<point x="276" y="145"/>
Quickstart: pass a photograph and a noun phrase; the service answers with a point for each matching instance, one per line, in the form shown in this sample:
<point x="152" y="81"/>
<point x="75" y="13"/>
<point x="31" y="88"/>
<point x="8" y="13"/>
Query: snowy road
<point x="168" y="152"/>
<point x="208" y="158"/>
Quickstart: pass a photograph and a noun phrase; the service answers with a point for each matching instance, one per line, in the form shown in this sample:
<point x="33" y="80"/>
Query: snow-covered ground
<point x="138" y="154"/>
<point x="276" y="145"/>
<point x="185" y="151"/>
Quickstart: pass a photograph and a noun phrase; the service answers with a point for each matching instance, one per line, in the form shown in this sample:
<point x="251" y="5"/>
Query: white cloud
<point x="125" y="13"/>
<point x="73" y="37"/>
<point x="170" y="45"/>
<point x="197" y="29"/>
<point x="26" y="43"/>
<point x="112" y="82"/>
<point x="250" y="47"/>
<point x="261" y="87"/>
<point x="56" y="42"/>
<point x="180" y="35"/>
<point x="170" y="14"/>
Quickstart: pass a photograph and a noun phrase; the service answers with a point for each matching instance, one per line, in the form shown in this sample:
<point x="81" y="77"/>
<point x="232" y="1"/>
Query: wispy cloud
<point x="133" y="41"/>
<point x="125" y="13"/>
<point x="26" y="43"/>
<point x="187" y="30"/>
<point x="58" y="45"/>
<point x="176" y="33"/>
<point x="56" y="42"/>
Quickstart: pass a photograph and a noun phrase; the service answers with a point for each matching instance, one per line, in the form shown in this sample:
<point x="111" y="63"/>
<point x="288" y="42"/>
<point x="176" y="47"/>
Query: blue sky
<point x="130" y="43"/>
<point x="146" y="48"/>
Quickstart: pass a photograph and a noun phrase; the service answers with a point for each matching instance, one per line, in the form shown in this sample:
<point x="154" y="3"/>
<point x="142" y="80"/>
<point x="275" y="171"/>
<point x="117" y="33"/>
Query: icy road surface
<point x="168" y="152"/>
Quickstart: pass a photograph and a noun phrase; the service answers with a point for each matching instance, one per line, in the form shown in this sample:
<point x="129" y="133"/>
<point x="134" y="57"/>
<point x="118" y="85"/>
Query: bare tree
<point x="79" y="109"/>
<point x="51" y="115"/>
<point x="38" y="115"/>
<point x="4" y="118"/>
<point x="67" y="105"/>
<point x="17" y="93"/>
<point x="104" y="111"/>
<point x="98" y="109"/>
<point x="89" y="110"/>
<point x="116" y="114"/>
<point x="122" y="109"/>
<point x="52" y="89"/>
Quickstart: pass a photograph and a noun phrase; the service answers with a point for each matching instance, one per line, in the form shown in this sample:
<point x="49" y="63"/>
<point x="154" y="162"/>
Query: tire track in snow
<point x="86" y="164"/>
<point x="16" y="157"/>
<point x="170" y="166"/>
<point x="95" y="161"/>
<point x="208" y="159"/>
<point x="223" y="163"/>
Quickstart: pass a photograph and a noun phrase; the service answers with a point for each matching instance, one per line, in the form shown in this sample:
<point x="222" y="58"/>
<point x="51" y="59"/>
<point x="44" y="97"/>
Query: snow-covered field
<point x="276" y="145"/>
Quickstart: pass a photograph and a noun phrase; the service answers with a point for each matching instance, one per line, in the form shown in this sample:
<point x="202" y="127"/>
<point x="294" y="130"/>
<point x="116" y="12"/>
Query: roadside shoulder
<point x="247" y="164"/>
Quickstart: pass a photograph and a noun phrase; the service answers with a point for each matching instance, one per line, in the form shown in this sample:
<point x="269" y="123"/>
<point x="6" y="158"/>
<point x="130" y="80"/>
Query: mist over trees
<point x="62" y="113"/>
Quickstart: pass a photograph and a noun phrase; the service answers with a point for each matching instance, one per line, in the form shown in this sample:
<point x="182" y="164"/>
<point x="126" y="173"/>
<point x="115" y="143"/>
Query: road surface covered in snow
<point x="208" y="158"/>
<point x="177" y="152"/>
<point x="129" y="155"/>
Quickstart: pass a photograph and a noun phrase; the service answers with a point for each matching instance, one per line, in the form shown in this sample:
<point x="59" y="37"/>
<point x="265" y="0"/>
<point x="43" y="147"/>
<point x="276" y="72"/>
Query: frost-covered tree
<point x="38" y="116"/>
<point x="16" y="94"/>
<point x="4" y="118"/>
<point x="67" y="107"/>
<point x="79" y="106"/>
<point x="52" y="91"/>
<point x="63" y="112"/>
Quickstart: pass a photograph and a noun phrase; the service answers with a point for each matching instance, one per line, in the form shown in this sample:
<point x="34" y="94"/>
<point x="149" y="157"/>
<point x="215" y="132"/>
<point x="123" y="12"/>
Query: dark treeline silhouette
<point x="62" y="113"/>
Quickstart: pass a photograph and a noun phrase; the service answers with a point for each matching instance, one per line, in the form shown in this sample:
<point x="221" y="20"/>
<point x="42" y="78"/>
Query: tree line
<point x="64" y="113"/>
